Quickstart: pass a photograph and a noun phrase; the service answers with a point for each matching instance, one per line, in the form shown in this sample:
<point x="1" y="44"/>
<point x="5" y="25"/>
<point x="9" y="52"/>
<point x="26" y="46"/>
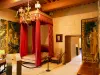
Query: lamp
<point x="37" y="5"/>
<point x="25" y="13"/>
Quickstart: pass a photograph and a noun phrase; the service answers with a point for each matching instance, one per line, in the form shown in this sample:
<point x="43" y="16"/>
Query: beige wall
<point x="74" y="41"/>
<point x="8" y="14"/>
<point x="68" y="21"/>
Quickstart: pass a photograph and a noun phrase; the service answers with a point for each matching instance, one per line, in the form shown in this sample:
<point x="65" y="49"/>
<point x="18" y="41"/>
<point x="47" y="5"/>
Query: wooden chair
<point x="57" y="57"/>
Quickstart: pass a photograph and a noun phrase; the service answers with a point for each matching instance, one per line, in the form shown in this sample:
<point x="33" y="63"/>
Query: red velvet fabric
<point x="33" y="39"/>
<point x="23" y="40"/>
<point x="50" y="32"/>
<point x="43" y="19"/>
<point x="38" y="43"/>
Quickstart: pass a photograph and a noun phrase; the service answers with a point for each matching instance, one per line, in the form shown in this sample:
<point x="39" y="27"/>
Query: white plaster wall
<point x="68" y="21"/>
<point x="74" y="41"/>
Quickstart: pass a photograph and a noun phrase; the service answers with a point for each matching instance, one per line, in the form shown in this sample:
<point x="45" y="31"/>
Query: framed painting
<point x="59" y="37"/>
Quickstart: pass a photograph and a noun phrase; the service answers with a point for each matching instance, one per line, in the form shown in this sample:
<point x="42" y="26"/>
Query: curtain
<point x="33" y="39"/>
<point x="50" y="31"/>
<point x="38" y="43"/>
<point x="23" y="40"/>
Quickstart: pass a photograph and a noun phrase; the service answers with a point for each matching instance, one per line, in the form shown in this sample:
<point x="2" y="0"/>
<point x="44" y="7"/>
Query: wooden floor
<point x="89" y="69"/>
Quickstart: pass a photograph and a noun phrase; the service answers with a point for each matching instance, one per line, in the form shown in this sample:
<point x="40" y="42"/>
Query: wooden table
<point x="89" y="69"/>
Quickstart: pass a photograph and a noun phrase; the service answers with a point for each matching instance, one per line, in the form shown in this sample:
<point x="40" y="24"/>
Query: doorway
<point x="72" y="47"/>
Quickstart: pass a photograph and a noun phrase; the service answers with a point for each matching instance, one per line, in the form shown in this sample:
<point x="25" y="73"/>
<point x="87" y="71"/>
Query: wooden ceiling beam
<point x="11" y="3"/>
<point x="51" y="1"/>
<point x="46" y="1"/>
<point x="64" y="3"/>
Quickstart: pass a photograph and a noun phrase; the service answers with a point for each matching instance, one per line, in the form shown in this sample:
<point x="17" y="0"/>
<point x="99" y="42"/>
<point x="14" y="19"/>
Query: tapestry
<point x="13" y="37"/>
<point x="3" y="34"/>
<point x="90" y="40"/>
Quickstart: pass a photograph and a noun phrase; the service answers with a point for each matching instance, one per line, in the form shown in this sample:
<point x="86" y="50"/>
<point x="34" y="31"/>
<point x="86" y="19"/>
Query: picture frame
<point x="59" y="37"/>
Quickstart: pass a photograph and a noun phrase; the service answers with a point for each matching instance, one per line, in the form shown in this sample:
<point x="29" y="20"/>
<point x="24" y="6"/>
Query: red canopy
<point x="38" y="18"/>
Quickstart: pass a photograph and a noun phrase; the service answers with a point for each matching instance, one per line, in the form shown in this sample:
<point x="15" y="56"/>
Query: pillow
<point x="44" y="48"/>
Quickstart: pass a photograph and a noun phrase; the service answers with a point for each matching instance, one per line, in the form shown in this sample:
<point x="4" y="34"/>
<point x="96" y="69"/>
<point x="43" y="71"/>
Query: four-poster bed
<point x="38" y="18"/>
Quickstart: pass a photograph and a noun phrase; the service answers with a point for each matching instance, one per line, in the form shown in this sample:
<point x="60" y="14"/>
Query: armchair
<point x="57" y="57"/>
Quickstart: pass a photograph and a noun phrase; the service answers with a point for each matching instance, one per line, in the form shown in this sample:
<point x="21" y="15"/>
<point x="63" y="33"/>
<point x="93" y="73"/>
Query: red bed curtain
<point x="23" y="40"/>
<point x="38" y="43"/>
<point x="50" y="32"/>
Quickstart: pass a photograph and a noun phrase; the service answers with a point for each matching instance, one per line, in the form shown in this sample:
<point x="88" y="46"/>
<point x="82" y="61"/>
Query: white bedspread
<point x="32" y="58"/>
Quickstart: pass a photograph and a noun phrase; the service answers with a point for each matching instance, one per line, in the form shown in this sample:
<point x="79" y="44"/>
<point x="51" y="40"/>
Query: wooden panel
<point x="19" y="68"/>
<point x="64" y="3"/>
<point x="47" y="5"/>
<point x="67" y="49"/>
<point x="11" y="3"/>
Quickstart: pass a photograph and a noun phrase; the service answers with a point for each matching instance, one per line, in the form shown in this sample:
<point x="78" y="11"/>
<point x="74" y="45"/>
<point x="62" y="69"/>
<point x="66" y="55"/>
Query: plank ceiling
<point x="47" y="5"/>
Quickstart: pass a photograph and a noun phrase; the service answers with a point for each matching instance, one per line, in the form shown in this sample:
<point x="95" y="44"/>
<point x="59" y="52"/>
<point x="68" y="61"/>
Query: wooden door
<point x="67" y="49"/>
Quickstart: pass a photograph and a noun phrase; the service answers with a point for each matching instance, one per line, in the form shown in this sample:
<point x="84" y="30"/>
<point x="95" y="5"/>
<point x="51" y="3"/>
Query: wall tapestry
<point x="13" y="37"/>
<point x="9" y="36"/>
<point x="90" y="40"/>
<point x="3" y="34"/>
